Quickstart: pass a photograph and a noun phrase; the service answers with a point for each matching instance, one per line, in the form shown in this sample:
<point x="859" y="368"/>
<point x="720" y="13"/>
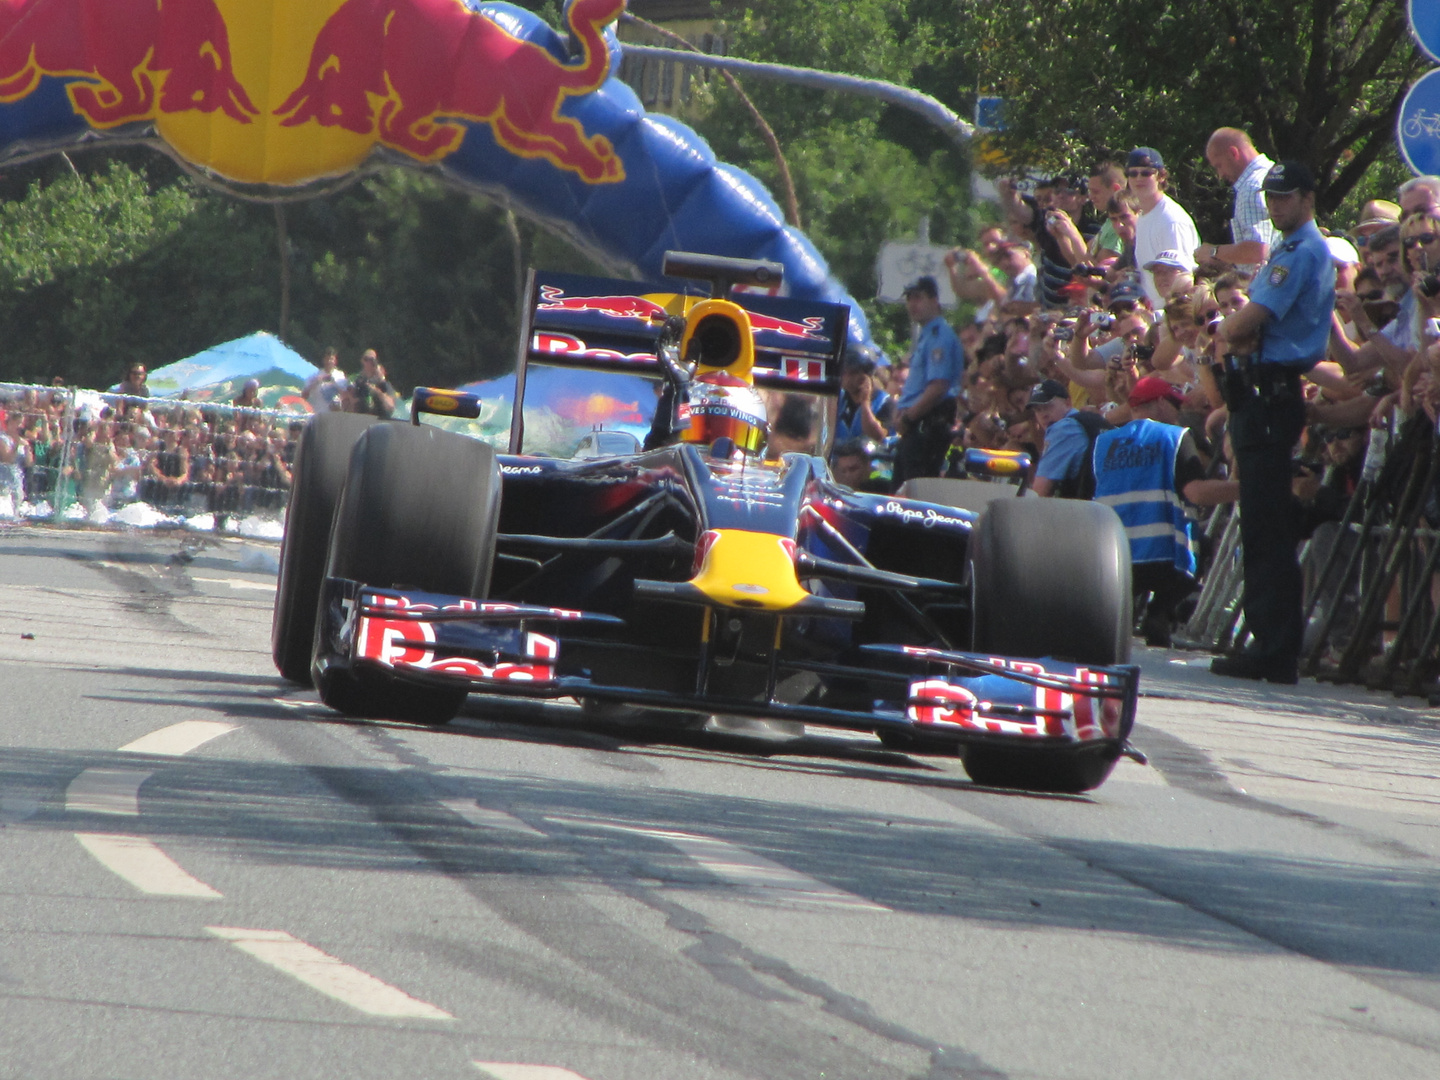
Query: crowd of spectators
<point x="107" y="451"/>
<point x="1100" y="280"/>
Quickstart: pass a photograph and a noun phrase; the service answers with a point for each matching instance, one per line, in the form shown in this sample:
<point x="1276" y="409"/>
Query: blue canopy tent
<point x="220" y="372"/>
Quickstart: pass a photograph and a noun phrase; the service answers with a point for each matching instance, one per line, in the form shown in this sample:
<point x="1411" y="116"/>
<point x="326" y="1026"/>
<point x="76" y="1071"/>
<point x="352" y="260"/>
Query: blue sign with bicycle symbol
<point x="1418" y="125"/>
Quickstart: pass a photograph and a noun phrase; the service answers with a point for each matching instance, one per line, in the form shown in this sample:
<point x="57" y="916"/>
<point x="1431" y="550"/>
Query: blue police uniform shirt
<point x="1065" y="446"/>
<point x="937" y="355"/>
<point x="1297" y="286"/>
<point x="847" y="420"/>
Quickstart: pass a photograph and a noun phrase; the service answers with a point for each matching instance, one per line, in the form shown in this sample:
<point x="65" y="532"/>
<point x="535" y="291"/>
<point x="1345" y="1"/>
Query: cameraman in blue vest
<point x="1143" y="471"/>
<point x="1274" y="339"/>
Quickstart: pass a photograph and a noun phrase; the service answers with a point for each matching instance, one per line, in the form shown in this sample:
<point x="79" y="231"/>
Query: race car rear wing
<point x="608" y="324"/>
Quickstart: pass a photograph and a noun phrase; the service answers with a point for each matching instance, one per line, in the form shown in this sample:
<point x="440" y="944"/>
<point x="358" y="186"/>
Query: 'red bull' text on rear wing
<point x="612" y="325"/>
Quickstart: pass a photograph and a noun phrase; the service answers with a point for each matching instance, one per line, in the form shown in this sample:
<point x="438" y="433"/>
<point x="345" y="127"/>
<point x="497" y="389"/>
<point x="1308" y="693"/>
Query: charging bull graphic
<point x="129" y="59"/>
<point x="369" y="67"/>
<point x="279" y="96"/>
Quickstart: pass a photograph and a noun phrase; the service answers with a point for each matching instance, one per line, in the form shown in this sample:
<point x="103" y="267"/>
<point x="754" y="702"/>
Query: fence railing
<point x="1372" y="579"/>
<point x="84" y="456"/>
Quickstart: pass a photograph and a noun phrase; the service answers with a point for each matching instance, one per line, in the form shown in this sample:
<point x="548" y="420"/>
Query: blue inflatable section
<point x="674" y="196"/>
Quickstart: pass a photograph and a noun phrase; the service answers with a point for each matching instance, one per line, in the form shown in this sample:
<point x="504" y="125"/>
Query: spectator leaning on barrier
<point x="1063" y="469"/>
<point x="1142" y="471"/>
<point x="925" y="411"/>
<point x="1163" y="224"/>
<point x="1275" y="338"/>
<point x="1236" y="161"/>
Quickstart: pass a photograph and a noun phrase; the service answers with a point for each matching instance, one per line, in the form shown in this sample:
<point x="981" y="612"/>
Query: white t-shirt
<point x="1165" y="227"/>
<point x="324" y="394"/>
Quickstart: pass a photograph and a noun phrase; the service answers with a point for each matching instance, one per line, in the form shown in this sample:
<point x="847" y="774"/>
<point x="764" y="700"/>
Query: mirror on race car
<point x="455" y="403"/>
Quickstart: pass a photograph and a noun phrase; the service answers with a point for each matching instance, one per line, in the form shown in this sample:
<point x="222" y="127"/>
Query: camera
<point x="1142" y="352"/>
<point x="1102" y="320"/>
<point x="1064" y="333"/>
<point x="1086" y="270"/>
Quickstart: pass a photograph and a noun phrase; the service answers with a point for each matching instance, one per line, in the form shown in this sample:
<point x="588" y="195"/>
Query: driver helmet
<point x="724" y="406"/>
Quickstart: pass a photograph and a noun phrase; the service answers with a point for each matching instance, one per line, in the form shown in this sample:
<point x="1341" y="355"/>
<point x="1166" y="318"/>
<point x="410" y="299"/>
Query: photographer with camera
<point x="1273" y="340"/>
<point x="973" y="279"/>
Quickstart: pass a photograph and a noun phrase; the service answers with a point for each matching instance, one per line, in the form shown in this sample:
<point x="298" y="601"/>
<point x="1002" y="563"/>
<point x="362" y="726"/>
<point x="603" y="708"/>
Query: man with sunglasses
<point x="1163" y="224"/>
<point x="1270" y="342"/>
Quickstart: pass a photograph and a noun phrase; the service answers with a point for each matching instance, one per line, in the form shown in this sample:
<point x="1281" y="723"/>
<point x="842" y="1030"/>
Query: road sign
<point x="901" y="263"/>
<point x="1425" y="25"/>
<point x="1417" y="128"/>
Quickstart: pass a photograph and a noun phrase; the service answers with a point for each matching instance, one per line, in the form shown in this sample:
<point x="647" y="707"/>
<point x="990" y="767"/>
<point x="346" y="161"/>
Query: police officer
<point x="1064" y="468"/>
<point x="1142" y="471"/>
<point x="926" y="409"/>
<point x="1273" y="340"/>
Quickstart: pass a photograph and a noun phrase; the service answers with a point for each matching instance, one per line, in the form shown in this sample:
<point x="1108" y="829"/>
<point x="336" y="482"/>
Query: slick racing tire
<point x="1067" y="772"/>
<point x="321" y="460"/>
<point x="419" y="511"/>
<point x="1051" y="578"/>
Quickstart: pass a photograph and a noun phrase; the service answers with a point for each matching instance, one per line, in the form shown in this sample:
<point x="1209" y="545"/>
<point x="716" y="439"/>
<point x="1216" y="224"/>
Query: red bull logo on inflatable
<point x="284" y="94"/>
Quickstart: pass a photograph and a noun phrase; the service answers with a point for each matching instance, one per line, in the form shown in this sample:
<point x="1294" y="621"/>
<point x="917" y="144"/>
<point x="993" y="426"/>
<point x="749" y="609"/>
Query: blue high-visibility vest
<point x="1135" y="476"/>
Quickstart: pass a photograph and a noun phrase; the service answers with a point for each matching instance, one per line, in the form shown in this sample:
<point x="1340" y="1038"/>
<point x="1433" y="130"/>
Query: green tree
<point x="1315" y="80"/>
<point x="864" y="172"/>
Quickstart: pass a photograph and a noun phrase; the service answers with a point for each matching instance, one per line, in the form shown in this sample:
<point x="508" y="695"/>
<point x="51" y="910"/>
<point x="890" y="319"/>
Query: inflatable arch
<point x="274" y="98"/>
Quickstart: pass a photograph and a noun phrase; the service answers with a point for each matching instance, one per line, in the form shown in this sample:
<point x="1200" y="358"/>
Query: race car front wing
<point x="514" y="650"/>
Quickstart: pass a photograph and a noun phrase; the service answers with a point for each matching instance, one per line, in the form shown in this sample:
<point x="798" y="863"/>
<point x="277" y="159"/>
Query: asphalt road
<point x="203" y="873"/>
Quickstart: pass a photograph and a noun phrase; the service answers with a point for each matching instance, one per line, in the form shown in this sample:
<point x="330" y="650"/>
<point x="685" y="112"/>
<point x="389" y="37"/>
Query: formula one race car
<point x="664" y="540"/>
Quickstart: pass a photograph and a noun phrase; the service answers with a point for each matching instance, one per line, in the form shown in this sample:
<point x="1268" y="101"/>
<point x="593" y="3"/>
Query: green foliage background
<point x="111" y="256"/>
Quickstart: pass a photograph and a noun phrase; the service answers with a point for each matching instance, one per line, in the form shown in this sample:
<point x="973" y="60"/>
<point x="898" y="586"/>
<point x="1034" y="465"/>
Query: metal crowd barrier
<point x="234" y="484"/>
<point x="1372" y="604"/>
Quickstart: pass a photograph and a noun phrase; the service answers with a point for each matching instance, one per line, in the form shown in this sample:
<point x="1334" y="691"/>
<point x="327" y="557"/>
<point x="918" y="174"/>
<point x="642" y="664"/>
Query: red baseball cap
<point x="1153" y="388"/>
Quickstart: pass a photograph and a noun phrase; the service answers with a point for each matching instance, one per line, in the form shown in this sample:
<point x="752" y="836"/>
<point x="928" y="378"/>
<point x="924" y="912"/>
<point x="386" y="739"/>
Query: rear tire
<point x="1052" y="579"/>
<point x="321" y="460"/>
<point x="419" y="511"/>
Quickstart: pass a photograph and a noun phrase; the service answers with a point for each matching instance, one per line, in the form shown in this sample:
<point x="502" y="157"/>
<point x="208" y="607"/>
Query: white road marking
<point x="106" y="791"/>
<point x="321" y="971"/>
<point x="738" y="866"/>
<point x="178" y="738"/>
<point x="486" y="818"/>
<point x="144" y="865"/>
<point x="238" y="583"/>
<point x="500" y="1070"/>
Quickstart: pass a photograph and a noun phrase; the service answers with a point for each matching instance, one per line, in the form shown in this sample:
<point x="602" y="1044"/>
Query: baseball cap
<point x="1342" y="250"/>
<point x="1153" y="388"/>
<point x="1287" y="177"/>
<point x="252" y="384"/>
<point x="1046" y="392"/>
<point x="1144" y="157"/>
<point x="1168" y="258"/>
<point x="924" y="284"/>
<point x="1374" y="216"/>
<point x="1124" y="293"/>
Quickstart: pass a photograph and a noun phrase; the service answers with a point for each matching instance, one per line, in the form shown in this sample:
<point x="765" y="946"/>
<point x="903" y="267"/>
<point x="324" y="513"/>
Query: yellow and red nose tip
<point x="741" y="569"/>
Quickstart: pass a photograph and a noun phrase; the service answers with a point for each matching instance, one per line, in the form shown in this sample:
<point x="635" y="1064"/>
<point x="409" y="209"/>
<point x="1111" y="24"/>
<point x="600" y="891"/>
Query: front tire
<point x="419" y="511"/>
<point x="321" y="461"/>
<point x="1052" y="579"/>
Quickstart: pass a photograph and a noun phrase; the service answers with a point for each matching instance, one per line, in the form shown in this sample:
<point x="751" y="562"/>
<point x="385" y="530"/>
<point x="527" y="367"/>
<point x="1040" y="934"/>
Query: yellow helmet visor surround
<point x="741" y="569"/>
<point x="718" y="337"/>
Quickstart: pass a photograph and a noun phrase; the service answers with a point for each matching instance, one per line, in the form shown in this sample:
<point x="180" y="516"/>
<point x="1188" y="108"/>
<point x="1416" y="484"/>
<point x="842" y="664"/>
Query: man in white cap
<point x="1166" y="270"/>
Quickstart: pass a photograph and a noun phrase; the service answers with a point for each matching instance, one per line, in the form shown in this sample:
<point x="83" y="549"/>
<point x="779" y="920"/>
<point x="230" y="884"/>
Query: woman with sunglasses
<point x="1163" y="224"/>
